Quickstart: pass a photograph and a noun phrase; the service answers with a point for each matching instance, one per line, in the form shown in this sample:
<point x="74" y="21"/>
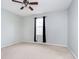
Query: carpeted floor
<point x="35" y="51"/>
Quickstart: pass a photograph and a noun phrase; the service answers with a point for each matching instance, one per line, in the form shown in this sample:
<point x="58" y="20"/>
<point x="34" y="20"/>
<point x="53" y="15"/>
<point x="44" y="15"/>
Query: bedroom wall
<point x="56" y="27"/>
<point x="73" y="27"/>
<point x="10" y="28"/>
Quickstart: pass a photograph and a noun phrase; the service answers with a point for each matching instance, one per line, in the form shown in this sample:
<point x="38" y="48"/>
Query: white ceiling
<point x="42" y="7"/>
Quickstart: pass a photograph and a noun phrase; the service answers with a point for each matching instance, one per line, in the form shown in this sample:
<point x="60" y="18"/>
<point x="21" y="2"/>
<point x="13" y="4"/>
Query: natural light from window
<point x="39" y="26"/>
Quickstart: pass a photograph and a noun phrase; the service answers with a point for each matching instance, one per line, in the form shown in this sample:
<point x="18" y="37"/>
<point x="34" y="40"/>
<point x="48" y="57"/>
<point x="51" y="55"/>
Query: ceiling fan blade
<point x="16" y="1"/>
<point x="30" y="8"/>
<point x="22" y="8"/>
<point x="33" y="3"/>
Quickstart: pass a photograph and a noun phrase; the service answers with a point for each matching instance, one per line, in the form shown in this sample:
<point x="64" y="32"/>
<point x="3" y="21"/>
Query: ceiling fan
<point x="25" y="3"/>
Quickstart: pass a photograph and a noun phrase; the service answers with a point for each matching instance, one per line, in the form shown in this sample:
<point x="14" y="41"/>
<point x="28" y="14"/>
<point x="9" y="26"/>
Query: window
<point x="39" y="30"/>
<point x="39" y="26"/>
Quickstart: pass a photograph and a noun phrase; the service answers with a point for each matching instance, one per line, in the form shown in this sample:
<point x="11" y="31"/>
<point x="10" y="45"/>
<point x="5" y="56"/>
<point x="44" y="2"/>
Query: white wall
<point x="10" y="24"/>
<point x="56" y="27"/>
<point x="73" y="27"/>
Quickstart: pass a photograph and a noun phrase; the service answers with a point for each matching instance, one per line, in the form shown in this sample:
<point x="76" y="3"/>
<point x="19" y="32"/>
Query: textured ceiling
<point x="42" y="7"/>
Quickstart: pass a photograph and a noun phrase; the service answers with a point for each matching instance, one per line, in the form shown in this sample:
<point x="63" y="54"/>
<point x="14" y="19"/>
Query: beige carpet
<point x="35" y="51"/>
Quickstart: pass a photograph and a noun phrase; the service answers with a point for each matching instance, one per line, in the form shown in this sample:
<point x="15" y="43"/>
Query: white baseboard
<point x="15" y="42"/>
<point x="62" y="45"/>
<point x="74" y="55"/>
<point x="9" y="44"/>
<point x="12" y="43"/>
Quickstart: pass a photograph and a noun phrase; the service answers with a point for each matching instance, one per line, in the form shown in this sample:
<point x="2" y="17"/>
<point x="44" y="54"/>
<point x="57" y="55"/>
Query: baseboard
<point x="62" y="45"/>
<point x="15" y="42"/>
<point x="9" y="44"/>
<point x="74" y="55"/>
